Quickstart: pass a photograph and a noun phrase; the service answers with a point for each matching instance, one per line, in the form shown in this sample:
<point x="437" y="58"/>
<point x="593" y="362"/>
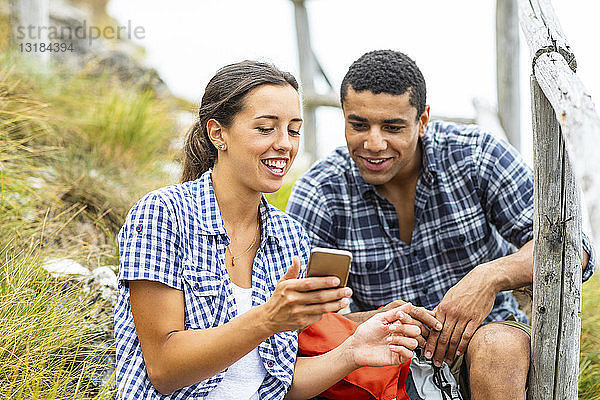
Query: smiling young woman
<point x="210" y="298"/>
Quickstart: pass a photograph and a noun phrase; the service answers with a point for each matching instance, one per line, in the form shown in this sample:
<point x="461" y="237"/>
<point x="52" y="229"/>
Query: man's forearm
<point x="512" y="271"/>
<point x="361" y="316"/>
<point x="516" y="270"/>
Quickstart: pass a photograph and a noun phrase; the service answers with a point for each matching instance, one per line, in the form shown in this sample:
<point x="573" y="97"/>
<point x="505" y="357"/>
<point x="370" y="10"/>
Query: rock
<point x="124" y="67"/>
<point x="65" y="268"/>
<point x="104" y="282"/>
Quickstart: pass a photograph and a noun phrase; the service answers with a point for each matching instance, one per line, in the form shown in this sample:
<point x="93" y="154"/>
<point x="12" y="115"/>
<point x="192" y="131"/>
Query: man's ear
<point x="423" y="121"/>
<point x="215" y="132"/>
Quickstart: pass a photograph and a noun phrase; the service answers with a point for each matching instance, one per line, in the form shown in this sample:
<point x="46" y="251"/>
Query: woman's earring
<point x="222" y="146"/>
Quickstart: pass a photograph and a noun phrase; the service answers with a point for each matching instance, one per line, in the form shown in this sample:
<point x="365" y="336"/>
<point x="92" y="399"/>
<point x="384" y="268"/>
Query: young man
<point x="438" y="214"/>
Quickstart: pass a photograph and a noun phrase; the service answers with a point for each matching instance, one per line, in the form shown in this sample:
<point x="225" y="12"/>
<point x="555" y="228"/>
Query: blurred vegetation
<point x="75" y="152"/>
<point x="280" y="198"/>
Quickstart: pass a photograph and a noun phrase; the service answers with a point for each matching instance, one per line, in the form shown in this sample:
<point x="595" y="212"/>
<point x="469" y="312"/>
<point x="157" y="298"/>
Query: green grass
<point x="589" y="365"/>
<point x="48" y="333"/>
<point x="75" y="152"/>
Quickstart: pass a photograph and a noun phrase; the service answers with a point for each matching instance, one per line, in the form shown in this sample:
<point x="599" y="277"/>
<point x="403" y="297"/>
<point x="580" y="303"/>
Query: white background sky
<point x="453" y="42"/>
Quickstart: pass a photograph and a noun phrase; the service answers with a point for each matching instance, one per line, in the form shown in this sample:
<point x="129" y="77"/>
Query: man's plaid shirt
<point x="473" y="203"/>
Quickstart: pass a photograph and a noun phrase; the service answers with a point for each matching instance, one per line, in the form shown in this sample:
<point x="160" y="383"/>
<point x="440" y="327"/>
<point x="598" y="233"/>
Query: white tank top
<point x="244" y="377"/>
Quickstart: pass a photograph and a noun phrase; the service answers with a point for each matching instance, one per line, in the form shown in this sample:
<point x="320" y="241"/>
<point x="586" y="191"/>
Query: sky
<point x="453" y="42"/>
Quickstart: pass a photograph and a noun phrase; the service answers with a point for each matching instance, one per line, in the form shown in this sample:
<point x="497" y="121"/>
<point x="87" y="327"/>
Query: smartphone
<point x="329" y="262"/>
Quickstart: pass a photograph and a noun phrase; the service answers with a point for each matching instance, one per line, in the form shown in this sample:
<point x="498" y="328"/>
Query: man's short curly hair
<point x="386" y="71"/>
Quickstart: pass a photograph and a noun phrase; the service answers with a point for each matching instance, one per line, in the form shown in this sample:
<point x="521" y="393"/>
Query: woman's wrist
<point x="348" y="353"/>
<point x="262" y="323"/>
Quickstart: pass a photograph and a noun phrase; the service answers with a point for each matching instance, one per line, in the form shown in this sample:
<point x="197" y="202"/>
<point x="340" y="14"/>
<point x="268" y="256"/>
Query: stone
<point x="65" y="268"/>
<point x="104" y="281"/>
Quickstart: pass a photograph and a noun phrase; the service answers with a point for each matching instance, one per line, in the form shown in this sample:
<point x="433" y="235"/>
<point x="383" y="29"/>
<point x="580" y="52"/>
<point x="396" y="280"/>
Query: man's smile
<point x="376" y="163"/>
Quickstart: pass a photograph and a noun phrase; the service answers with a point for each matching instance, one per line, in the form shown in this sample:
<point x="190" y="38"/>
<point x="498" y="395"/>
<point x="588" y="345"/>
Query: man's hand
<point x="421" y="317"/>
<point x="462" y="310"/>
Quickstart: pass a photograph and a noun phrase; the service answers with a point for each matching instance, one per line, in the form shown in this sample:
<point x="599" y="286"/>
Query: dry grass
<point x="75" y="152"/>
<point x="589" y="365"/>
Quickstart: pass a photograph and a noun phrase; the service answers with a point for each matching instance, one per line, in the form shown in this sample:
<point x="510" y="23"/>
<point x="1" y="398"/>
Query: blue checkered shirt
<point x="175" y="235"/>
<point x="473" y="203"/>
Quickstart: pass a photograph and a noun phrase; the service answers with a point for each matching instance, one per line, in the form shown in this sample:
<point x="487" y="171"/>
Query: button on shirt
<point x="473" y="204"/>
<point x="175" y="235"/>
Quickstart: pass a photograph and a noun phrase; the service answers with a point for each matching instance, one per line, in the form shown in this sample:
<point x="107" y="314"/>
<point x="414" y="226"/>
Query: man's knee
<point x="494" y="343"/>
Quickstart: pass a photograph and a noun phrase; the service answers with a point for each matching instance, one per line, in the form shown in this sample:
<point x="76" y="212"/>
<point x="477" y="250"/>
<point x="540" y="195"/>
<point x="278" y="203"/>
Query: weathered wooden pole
<point x="561" y="104"/>
<point x="308" y="66"/>
<point x="29" y="28"/>
<point x="556" y="325"/>
<point x="507" y="69"/>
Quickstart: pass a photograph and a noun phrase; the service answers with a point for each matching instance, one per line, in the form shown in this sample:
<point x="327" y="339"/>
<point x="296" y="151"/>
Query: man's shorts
<point x="459" y="368"/>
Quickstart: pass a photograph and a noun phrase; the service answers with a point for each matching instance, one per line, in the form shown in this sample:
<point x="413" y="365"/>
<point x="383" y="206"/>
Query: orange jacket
<point x="366" y="383"/>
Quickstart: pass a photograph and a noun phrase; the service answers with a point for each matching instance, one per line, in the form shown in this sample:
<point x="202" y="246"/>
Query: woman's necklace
<point x="245" y="251"/>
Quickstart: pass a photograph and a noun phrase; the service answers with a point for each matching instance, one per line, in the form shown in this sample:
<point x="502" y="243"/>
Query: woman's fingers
<point x="403" y="353"/>
<point x="422" y="315"/>
<point x="424" y="330"/>
<point x="399" y="340"/>
<point x="312" y="283"/>
<point x="293" y="271"/>
<point x="322" y="308"/>
<point x="404" y="329"/>
<point x="322" y="296"/>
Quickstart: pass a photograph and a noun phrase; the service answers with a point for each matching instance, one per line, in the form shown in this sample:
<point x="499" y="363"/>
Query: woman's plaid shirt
<point x="175" y="235"/>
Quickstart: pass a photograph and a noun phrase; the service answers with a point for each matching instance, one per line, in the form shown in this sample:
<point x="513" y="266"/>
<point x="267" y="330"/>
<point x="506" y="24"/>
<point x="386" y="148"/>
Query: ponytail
<point x="199" y="153"/>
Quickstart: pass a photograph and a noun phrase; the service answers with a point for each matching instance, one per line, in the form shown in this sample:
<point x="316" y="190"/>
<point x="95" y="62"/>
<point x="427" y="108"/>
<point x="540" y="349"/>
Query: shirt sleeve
<point x="149" y="244"/>
<point x="307" y="205"/>
<point x="505" y="184"/>
<point x="591" y="265"/>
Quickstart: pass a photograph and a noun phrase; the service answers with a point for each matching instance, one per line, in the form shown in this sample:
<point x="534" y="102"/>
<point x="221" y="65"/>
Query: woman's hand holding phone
<point x="297" y="303"/>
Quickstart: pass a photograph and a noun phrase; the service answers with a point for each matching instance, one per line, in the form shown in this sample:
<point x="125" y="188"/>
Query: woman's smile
<point x="276" y="166"/>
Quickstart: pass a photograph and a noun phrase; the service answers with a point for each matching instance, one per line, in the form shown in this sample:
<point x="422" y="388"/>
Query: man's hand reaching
<point x="461" y="311"/>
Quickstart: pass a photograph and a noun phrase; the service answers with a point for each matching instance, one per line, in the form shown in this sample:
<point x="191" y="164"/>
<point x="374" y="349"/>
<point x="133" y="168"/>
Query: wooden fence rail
<point x="565" y="126"/>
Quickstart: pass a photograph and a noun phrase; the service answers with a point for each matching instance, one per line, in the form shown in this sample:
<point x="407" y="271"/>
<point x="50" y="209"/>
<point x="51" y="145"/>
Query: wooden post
<point x="308" y="66"/>
<point x="29" y="26"/>
<point x="507" y="70"/>
<point x="557" y="260"/>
